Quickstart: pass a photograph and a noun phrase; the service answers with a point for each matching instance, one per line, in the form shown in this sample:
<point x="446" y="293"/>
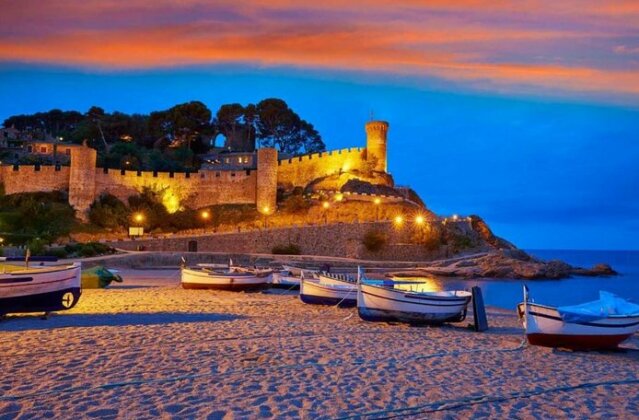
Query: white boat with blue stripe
<point x="40" y="289"/>
<point x="328" y="290"/>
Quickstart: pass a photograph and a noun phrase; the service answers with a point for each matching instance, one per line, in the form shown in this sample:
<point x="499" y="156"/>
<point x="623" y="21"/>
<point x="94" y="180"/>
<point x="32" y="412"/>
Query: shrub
<point x="59" y="252"/>
<point x="296" y="204"/>
<point x="44" y="215"/>
<point x="36" y="246"/>
<point x="374" y="240"/>
<point x="290" y="249"/>
<point x="108" y="211"/>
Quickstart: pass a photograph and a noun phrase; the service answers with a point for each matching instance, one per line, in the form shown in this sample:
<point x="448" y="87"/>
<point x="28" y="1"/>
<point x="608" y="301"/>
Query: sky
<point x="525" y="113"/>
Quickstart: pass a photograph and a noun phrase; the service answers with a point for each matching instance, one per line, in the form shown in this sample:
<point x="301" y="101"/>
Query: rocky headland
<point x="504" y="263"/>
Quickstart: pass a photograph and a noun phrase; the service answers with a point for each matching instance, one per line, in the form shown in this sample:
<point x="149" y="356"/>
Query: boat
<point x="335" y="292"/>
<point x="99" y="277"/>
<point x="381" y="301"/>
<point x="599" y="325"/>
<point x="42" y="289"/>
<point x="229" y="279"/>
<point x="285" y="279"/>
<point x="309" y="273"/>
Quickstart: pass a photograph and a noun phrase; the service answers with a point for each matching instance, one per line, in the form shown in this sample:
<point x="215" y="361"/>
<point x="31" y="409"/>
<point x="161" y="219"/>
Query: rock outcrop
<point x="510" y="263"/>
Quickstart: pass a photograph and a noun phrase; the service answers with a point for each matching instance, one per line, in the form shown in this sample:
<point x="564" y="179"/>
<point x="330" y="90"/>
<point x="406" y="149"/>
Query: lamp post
<point x="265" y="211"/>
<point x="205" y="215"/>
<point x="325" y="206"/>
<point x="137" y="229"/>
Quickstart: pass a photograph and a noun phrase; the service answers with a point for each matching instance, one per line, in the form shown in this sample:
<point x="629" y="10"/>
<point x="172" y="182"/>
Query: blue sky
<point x="544" y="172"/>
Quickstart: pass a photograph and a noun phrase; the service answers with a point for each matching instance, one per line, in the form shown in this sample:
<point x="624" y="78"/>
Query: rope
<point x="445" y="405"/>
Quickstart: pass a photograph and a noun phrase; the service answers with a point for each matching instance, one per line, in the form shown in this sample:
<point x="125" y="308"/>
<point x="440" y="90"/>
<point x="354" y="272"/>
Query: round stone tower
<point x="376" y="132"/>
<point x="266" y="188"/>
<point x="82" y="179"/>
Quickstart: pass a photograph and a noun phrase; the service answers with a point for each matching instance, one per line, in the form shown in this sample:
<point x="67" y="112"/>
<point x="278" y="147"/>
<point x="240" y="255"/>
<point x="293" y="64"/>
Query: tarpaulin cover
<point x="608" y="304"/>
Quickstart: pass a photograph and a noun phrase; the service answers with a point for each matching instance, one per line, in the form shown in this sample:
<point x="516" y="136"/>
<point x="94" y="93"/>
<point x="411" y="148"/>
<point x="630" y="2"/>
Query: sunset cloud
<point x="569" y="46"/>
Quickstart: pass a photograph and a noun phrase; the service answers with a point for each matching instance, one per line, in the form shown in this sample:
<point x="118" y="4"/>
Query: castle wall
<point x="29" y="178"/>
<point x="200" y="189"/>
<point x="82" y="179"/>
<point x="266" y="194"/>
<point x="299" y="171"/>
<point x="376" y="133"/>
<point x="333" y="240"/>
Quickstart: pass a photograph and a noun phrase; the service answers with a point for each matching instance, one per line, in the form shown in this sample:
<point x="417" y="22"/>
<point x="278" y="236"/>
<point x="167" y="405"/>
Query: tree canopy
<point x="169" y="139"/>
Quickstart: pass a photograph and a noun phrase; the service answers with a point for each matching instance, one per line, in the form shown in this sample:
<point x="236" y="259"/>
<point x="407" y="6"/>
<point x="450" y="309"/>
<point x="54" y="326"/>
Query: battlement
<point x="320" y="155"/>
<point x="85" y="181"/>
<point x="33" y="178"/>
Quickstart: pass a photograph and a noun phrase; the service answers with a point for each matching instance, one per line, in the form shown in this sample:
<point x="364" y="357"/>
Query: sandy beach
<point x="148" y="348"/>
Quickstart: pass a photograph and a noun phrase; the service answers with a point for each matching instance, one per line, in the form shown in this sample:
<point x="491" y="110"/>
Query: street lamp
<point x="325" y="206"/>
<point x="138" y="217"/>
<point x="265" y="211"/>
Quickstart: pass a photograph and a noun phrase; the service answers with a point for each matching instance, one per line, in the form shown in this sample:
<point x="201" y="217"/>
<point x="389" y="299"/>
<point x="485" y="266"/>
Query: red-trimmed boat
<point x="598" y="325"/>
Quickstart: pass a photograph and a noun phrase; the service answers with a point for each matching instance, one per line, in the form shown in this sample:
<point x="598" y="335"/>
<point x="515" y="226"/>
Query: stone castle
<point x="256" y="184"/>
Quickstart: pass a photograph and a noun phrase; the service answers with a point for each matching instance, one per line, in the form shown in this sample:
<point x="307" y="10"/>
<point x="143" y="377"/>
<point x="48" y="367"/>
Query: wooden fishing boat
<point x="309" y="273"/>
<point x="285" y="279"/>
<point x="597" y="325"/>
<point x="379" y="301"/>
<point x="341" y="293"/>
<point x="41" y="289"/>
<point x="203" y="278"/>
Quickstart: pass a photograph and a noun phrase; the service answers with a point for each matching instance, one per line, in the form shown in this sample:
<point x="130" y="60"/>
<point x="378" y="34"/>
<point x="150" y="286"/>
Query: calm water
<point x="507" y="293"/>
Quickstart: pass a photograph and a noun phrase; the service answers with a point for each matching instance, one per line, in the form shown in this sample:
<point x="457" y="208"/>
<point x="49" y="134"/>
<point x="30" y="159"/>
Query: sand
<point x="150" y="349"/>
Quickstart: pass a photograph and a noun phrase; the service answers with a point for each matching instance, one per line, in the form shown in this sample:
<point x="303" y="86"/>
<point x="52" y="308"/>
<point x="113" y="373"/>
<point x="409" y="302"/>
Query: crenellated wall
<point x="29" y="178"/>
<point x="85" y="182"/>
<point x="195" y="190"/>
<point x="299" y="171"/>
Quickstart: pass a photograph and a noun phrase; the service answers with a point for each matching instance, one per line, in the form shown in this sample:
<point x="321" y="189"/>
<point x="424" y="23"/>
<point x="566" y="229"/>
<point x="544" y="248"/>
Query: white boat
<point x="379" y="301"/>
<point x="602" y="324"/>
<point x="193" y="278"/>
<point x="314" y="291"/>
<point x="42" y="289"/>
<point x="309" y="273"/>
<point x="285" y="279"/>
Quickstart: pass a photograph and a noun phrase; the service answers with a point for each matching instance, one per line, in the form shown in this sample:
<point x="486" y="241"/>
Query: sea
<point x="507" y="293"/>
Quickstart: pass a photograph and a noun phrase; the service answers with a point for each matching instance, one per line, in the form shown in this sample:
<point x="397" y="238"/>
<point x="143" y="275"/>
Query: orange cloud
<point x="568" y="45"/>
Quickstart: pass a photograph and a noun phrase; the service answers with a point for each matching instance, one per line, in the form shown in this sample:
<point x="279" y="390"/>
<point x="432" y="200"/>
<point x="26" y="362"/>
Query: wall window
<point x="68" y="152"/>
<point x="43" y="149"/>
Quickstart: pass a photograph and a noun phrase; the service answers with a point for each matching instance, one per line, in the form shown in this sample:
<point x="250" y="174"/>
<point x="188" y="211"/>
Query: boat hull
<point x="545" y="327"/>
<point x="285" y="281"/>
<point x="196" y="279"/>
<point x="40" y="290"/>
<point x="375" y="303"/>
<point x="315" y="293"/>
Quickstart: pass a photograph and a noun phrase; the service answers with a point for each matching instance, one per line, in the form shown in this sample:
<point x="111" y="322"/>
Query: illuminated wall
<point x="29" y="178"/>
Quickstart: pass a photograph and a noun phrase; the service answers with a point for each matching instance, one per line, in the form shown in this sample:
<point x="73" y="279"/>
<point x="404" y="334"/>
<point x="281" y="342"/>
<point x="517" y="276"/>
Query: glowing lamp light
<point x="339" y="197"/>
<point x="377" y="201"/>
<point x="419" y="220"/>
<point x="138" y="217"/>
<point x="326" y="204"/>
<point x="399" y="220"/>
<point x="455" y="217"/>
<point x="205" y="214"/>
<point x="266" y="209"/>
